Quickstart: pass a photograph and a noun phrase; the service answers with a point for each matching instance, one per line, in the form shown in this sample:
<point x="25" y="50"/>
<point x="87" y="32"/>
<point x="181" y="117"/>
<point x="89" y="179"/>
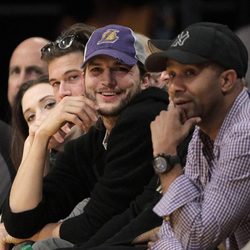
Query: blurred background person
<point x="244" y="34"/>
<point x="155" y="79"/>
<point x="25" y="64"/>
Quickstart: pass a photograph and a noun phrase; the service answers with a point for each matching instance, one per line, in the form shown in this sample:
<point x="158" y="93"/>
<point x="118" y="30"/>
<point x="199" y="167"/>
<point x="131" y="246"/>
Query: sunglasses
<point x="63" y="43"/>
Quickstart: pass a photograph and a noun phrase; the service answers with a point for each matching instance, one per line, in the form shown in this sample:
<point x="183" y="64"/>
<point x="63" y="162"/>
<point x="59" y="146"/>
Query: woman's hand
<point x="6" y="239"/>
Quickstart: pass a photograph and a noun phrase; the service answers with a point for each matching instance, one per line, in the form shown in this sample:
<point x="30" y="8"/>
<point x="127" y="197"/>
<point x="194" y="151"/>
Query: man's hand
<point x="75" y="110"/>
<point x="169" y="129"/>
<point x="59" y="137"/>
<point x="151" y="235"/>
<point x="154" y="237"/>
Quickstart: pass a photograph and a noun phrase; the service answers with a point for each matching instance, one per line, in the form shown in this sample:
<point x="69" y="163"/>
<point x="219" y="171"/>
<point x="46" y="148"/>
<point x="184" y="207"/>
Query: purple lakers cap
<point x="116" y="41"/>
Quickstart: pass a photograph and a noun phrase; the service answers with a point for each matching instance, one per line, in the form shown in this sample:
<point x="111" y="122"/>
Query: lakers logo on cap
<point x="181" y="38"/>
<point x="109" y="36"/>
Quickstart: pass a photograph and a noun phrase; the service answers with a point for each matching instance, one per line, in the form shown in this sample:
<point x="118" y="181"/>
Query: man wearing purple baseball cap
<point x="111" y="163"/>
<point x="116" y="41"/>
<point x="207" y="203"/>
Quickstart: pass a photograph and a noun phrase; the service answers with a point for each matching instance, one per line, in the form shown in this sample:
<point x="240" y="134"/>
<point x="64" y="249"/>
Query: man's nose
<point x="64" y="90"/>
<point x="176" y="84"/>
<point x="108" y="78"/>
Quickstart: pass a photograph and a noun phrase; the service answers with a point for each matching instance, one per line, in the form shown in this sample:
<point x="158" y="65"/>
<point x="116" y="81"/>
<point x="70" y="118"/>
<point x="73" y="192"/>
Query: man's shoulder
<point x="146" y="105"/>
<point x="95" y="133"/>
<point x="152" y="94"/>
<point x="237" y="121"/>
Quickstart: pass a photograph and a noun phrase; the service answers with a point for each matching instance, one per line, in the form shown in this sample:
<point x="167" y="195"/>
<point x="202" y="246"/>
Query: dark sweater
<point x="122" y="229"/>
<point x="6" y="167"/>
<point x="112" y="177"/>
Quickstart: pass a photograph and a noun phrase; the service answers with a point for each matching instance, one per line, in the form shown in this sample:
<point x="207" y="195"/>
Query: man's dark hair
<point x="79" y="33"/>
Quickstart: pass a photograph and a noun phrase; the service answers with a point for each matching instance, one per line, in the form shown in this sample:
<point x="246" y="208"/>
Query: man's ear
<point x="145" y="82"/>
<point x="228" y="80"/>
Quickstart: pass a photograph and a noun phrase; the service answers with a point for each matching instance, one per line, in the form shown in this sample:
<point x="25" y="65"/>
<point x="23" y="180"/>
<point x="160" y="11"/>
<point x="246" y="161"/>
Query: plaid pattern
<point x="210" y="203"/>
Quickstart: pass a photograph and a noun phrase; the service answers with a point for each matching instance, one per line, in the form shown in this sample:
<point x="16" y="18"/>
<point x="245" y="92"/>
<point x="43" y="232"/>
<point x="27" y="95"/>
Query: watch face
<point x="164" y="163"/>
<point x="160" y="164"/>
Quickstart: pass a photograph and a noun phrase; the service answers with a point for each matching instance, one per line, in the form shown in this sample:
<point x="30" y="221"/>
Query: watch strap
<point x="172" y="160"/>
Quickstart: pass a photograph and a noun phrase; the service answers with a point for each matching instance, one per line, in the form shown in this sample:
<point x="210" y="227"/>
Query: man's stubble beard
<point x="115" y="111"/>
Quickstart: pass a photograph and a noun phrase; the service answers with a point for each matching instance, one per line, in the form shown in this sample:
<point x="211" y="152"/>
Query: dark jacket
<point x="122" y="229"/>
<point x="112" y="177"/>
<point x="6" y="167"/>
<point x="5" y="140"/>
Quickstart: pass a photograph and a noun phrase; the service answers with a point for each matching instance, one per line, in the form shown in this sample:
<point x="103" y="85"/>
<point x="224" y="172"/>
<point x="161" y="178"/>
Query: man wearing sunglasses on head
<point x="111" y="163"/>
<point x="64" y="57"/>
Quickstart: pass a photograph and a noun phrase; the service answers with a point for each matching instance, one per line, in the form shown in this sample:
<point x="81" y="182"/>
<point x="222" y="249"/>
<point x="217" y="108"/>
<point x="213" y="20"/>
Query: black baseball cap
<point x="157" y="45"/>
<point x="203" y="42"/>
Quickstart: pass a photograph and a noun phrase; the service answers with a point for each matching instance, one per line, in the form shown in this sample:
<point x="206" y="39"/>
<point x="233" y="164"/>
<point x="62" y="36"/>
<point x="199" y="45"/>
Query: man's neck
<point x="109" y="123"/>
<point x="212" y="125"/>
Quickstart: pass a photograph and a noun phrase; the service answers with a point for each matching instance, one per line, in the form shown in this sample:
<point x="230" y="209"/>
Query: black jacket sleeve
<point x="5" y="147"/>
<point x="70" y="181"/>
<point x="137" y="219"/>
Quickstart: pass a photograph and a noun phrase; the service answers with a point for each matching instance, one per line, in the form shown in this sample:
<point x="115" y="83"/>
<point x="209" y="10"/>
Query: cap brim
<point x="156" y="62"/>
<point x="124" y="58"/>
<point x="157" y="45"/>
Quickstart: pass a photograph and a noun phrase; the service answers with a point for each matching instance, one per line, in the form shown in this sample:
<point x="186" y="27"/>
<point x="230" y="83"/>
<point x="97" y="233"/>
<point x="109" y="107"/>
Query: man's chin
<point x="192" y="115"/>
<point x="109" y="112"/>
<point x="112" y="109"/>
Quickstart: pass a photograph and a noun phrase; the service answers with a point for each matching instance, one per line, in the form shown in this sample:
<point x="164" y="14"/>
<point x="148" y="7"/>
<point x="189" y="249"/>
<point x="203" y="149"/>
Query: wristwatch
<point x="164" y="163"/>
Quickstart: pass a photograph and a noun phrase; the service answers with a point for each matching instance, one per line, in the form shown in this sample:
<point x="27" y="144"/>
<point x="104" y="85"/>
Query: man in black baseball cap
<point x="206" y="203"/>
<point x="199" y="43"/>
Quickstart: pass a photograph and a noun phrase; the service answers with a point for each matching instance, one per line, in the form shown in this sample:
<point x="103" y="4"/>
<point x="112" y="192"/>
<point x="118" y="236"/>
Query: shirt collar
<point x="105" y="140"/>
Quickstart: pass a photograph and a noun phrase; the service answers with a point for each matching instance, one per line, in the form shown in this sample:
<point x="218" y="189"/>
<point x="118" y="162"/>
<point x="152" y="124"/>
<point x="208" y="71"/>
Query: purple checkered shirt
<point x="210" y="202"/>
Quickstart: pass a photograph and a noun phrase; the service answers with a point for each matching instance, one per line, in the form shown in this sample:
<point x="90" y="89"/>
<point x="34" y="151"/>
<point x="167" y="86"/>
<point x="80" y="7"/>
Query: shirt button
<point x="166" y="218"/>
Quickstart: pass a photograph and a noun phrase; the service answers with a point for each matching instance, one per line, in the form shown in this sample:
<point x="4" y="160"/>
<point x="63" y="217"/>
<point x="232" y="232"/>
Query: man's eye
<point x="14" y="71"/>
<point x="95" y="69"/>
<point x="55" y="84"/>
<point x="121" y="68"/>
<point x="34" y="71"/>
<point x="190" y="73"/>
<point x="171" y="75"/>
<point x="73" y="78"/>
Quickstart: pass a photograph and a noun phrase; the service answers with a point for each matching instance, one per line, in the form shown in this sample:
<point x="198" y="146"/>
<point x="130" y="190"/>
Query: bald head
<point x="25" y="64"/>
